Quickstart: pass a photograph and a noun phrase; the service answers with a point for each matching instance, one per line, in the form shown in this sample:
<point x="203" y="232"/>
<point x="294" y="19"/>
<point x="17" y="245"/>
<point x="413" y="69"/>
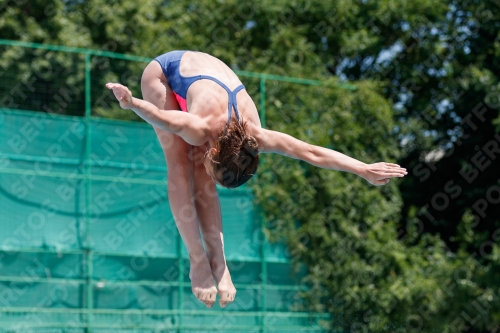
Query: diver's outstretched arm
<point x="284" y="144"/>
<point x="191" y="128"/>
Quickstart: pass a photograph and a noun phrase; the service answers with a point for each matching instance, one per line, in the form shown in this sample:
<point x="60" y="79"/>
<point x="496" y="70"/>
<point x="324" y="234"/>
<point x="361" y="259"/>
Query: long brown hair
<point x="237" y="156"/>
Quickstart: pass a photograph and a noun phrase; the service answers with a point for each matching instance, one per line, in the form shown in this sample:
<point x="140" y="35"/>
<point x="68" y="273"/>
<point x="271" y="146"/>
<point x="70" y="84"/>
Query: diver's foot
<point x="225" y="287"/>
<point x="202" y="280"/>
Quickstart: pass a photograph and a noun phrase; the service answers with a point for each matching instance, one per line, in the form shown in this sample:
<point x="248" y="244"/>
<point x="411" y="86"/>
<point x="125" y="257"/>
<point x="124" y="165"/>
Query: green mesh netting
<point x="88" y="242"/>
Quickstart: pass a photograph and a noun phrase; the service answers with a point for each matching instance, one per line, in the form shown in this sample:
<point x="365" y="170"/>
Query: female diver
<point x="217" y="139"/>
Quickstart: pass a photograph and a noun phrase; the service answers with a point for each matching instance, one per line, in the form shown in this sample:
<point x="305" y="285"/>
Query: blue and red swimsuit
<point x="170" y="63"/>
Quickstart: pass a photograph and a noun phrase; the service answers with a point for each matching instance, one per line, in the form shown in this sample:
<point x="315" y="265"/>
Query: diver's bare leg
<point x="209" y="214"/>
<point x="180" y="187"/>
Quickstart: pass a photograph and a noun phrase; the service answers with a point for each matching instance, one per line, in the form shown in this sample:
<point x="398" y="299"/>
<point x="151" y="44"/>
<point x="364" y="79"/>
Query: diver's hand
<point x="379" y="173"/>
<point x="122" y="94"/>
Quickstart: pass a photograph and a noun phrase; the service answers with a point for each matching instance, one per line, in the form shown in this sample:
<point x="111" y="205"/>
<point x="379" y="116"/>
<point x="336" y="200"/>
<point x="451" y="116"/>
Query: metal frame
<point x="88" y="253"/>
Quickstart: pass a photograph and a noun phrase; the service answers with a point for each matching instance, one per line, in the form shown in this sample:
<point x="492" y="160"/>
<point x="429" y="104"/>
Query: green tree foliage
<point x="411" y="256"/>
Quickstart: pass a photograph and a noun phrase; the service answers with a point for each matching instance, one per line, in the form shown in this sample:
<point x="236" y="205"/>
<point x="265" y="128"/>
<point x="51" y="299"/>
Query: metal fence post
<point x="263" y="298"/>
<point x="263" y="289"/>
<point x="180" y="302"/>
<point x="87" y="191"/>
<point x="263" y="101"/>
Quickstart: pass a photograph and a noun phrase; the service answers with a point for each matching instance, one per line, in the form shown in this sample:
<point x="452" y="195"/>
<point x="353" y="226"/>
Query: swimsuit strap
<point x="232" y="96"/>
